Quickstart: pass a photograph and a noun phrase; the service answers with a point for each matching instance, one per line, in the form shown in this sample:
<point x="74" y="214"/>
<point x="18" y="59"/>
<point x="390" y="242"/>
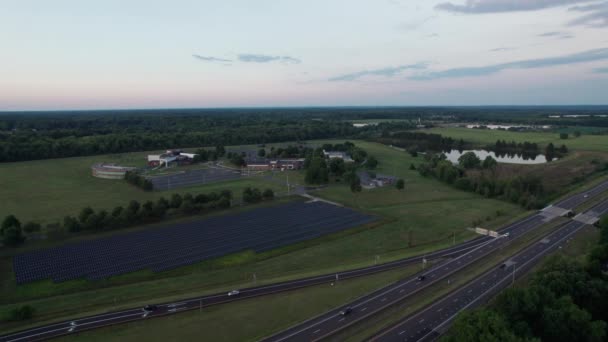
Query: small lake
<point x="453" y="156"/>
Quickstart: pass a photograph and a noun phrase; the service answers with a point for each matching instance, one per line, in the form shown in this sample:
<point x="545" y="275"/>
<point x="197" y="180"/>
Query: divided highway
<point x="332" y="321"/>
<point x="466" y="252"/>
<point x="430" y="323"/>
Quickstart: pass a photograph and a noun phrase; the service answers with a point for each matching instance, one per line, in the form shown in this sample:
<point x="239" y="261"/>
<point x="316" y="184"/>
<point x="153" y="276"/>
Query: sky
<point x="69" y="54"/>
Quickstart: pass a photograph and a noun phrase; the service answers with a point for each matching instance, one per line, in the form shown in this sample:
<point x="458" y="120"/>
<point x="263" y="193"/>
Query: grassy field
<point x="45" y="191"/>
<point x="426" y="216"/>
<point x="486" y="136"/>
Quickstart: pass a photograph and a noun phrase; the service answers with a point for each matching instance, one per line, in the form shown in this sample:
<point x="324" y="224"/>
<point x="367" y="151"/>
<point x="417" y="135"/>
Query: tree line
<point x="20" y="146"/>
<point x="420" y="142"/>
<point x="526" y="190"/>
<point x="566" y="300"/>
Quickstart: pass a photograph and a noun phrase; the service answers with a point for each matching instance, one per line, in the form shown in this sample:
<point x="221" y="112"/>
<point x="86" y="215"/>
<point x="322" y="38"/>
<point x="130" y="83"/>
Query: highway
<point x="464" y="253"/>
<point x="331" y="322"/>
<point x="431" y="322"/>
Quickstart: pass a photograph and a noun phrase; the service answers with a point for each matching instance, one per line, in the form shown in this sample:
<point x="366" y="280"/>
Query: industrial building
<point x="170" y="156"/>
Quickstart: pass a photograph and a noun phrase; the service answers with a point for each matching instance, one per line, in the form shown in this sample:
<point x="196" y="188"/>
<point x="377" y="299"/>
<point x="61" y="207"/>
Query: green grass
<point x="45" y="191"/>
<point x="483" y="136"/>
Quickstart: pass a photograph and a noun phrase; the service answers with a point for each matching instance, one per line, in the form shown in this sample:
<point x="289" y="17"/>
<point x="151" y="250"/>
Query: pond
<point x="453" y="156"/>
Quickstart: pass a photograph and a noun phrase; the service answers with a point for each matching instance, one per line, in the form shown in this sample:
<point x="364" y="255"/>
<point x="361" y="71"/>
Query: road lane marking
<point x="316" y="331"/>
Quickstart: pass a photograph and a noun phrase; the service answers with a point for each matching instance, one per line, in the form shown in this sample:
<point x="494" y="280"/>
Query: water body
<point x="453" y="156"/>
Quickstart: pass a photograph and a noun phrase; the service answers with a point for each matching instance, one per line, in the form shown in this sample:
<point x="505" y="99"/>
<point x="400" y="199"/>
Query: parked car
<point x="421" y="278"/>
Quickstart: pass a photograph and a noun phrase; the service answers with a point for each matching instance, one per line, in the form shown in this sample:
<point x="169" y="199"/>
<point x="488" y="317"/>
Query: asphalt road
<point x="465" y="253"/>
<point x="430" y="323"/>
<point x="331" y="322"/>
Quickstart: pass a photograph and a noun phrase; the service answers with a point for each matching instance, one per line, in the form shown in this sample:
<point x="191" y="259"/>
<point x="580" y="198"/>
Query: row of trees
<point x="255" y="195"/>
<point x="139" y="181"/>
<point x="565" y="300"/>
<point x="526" y="190"/>
<point x="419" y="141"/>
<point x="136" y="213"/>
<point x="513" y="147"/>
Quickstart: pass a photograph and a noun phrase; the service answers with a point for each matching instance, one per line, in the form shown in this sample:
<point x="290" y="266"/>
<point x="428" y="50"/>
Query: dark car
<point x="150" y="308"/>
<point x="421" y="278"/>
<point x="503" y="266"/>
<point x="346" y="311"/>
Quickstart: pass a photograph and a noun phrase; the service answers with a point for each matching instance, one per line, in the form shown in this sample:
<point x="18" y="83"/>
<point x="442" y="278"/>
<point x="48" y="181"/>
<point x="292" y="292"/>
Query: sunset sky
<point x="107" y="54"/>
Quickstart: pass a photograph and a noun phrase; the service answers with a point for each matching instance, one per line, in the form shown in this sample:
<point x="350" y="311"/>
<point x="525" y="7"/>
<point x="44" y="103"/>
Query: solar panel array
<point x="182" y="244"/>
<point x="193" y="177"/>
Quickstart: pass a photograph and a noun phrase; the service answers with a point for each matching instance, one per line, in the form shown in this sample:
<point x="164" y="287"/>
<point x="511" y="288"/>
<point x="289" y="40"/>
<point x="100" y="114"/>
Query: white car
<point x="234" y="293"/>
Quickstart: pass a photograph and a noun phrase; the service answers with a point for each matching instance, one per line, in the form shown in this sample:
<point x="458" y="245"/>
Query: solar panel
<point x="181" y="244"/>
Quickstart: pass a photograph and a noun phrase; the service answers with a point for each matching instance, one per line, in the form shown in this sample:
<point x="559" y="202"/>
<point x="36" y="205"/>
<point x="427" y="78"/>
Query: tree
<point x="577" y="134"/>
<point x="31" y="227"/>
<point x="412" y="167"/>
<point x="481" y="325"/>
<point x="176" y="201"/>
<point x="262" y="152"/>
<point x="413" y="153"/>
<point x="21" y="313"/>
<point x="84" y="214"/>
<point x="371" y="163"/>
<point x="337" y="166"/>
<point x="71" y="224"/>
<point x="400" y="185"/>
<point x="268" y="194"/>
<point x="563" y="149"/>
<point x="220" y="151"/>
<point x="317" y="172"/>
<point x="550" y="152"/>
<point x="489" y="163"/>
<point x="251" y="195"/>
<point x="9" y="221"/>
<point x="567" y="322"/>
<point x="563" y="136"/>
<point x="13" y="236"/>
<point x="469" y="160"/>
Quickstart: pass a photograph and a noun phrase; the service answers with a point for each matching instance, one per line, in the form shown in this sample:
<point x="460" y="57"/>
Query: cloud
<point x="385" y="72"/>
<point x="432" y="35"/>
<point x="501" y="49"/>
<point x="557" y="34"/>
<point x="211" y="59"/>
<point x="601" y="70"/>
<point x="417" y="24"/>
<point x="498" y="6"/>
<point x="597" y="15"/>
<point x="255" y="58"/>
<point x="582" y="57"/>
